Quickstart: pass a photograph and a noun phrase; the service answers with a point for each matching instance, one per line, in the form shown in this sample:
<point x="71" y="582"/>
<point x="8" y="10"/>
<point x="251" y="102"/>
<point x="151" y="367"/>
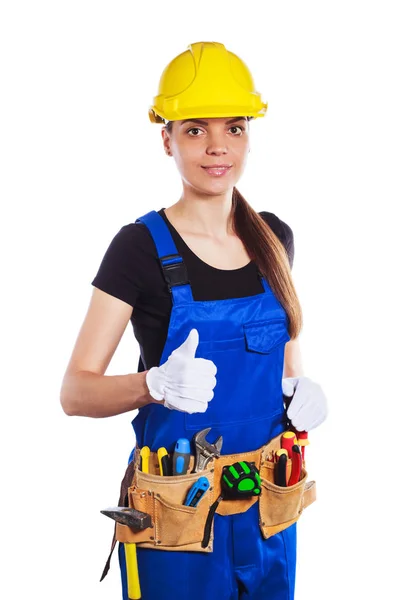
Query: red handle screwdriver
<point x="302" y="436"/>
<point x="302" y="441"/>
<point x="287" y="440"/>
<point x="296" y="465"/>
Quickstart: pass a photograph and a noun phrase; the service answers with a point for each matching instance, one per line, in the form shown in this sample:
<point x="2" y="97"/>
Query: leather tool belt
<point x="178" y="527"/>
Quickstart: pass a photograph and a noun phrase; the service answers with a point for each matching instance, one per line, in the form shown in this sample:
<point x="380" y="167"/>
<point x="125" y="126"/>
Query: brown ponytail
<point x="270" y="256"/>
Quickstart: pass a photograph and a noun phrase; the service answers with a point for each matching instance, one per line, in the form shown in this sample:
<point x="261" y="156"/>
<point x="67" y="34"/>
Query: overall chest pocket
<point x="249" y="375"/>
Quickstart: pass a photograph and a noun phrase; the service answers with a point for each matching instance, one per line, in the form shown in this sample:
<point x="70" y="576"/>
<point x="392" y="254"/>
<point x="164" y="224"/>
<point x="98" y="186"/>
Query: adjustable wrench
<point x="204" y="450"/>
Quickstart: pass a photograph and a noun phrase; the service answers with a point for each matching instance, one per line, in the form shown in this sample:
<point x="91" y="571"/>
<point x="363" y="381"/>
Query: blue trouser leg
<point x="265" y="569"/>
<point x="170" y="575"/>
<point x="122" y="566"/>
<point x="242" y="566"/>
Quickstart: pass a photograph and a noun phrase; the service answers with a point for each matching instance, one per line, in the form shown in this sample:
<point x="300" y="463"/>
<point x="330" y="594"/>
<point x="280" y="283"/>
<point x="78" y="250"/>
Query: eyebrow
<point x="201" y="122"/>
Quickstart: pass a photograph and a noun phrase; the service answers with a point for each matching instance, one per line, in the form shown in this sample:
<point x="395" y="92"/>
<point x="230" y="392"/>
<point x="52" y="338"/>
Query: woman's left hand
<point x="308" y="408"/>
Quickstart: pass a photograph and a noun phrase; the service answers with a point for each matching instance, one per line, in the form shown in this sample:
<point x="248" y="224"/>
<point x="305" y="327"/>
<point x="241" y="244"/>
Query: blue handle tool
<point x="197" y="491"/>
<point x="181" y="457"/>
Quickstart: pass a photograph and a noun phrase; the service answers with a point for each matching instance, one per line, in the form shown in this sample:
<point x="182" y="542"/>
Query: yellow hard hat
<point x="206" y="81"/>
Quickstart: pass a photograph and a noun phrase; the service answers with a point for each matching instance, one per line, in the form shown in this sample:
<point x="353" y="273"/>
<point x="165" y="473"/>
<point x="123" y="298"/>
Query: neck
<point x="209" y="215"/>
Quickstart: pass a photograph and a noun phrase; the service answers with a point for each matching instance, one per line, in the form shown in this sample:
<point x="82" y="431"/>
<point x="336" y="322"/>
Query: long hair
<point x="268" y="253"/>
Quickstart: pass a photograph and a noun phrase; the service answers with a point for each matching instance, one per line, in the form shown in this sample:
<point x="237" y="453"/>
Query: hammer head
<point x="201" y="442"/>
<point x="135" y="519"/>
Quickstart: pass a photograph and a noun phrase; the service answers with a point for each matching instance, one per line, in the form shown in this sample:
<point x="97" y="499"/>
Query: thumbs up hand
<point x="184" y="382"/>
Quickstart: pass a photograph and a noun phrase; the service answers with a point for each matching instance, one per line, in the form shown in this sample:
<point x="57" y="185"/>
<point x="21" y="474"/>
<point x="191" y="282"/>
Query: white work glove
<point x="184" y="382"/>
<point x="308" y="407"/>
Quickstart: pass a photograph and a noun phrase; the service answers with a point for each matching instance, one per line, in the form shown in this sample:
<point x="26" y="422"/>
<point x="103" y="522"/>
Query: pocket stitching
<point x="274" y="489"/>
<point x="179" y="509"/>
<point x="277" y="337"/>
<point x="279" y="489"/>
<point x="173" y="506"/>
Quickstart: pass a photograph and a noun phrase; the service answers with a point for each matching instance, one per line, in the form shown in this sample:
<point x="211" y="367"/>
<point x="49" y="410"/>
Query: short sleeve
<point x="117" y="275"/>
<point x="283" y="231"/>
<point x="288" y="241"/>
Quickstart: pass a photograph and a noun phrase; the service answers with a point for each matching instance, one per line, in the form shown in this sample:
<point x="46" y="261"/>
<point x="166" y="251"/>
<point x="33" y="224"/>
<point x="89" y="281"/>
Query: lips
<point x="217" y="170"/>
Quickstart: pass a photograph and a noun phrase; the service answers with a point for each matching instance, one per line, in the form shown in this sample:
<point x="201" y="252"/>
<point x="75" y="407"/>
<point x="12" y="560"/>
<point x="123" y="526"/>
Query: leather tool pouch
<point x="179" y="527"/>
<point x="175" y="526"/>
<point x="280" y="507"/>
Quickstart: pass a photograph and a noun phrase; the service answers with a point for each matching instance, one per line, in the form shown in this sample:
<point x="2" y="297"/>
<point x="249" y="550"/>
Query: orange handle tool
<point x="302" y="441"/>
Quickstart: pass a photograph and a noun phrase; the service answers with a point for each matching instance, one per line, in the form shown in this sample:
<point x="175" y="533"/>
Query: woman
<point x="207" y="286"/>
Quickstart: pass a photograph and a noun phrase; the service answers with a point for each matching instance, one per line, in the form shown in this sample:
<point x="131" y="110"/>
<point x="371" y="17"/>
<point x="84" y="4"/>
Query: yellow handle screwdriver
<point x="145" y="455"/>
<point x="163" y="461"/>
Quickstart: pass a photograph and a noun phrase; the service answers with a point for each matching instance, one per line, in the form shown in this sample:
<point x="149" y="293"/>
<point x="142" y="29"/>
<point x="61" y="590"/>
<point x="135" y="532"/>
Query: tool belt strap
<point x="123" y="501"/>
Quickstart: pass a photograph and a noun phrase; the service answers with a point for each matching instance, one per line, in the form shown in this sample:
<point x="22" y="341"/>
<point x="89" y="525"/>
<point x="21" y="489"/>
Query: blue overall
<point x="245" y="338"/>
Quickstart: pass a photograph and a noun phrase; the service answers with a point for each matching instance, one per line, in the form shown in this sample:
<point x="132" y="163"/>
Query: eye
<point x="241" y="129"/>
<point x="193" y="129"/>
<point x="237" y="127"/>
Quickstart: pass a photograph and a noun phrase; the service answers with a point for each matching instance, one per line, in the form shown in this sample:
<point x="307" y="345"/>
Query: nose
<point x="217" y="143"/>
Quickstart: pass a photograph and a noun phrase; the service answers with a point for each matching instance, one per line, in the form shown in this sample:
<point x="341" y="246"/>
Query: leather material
<point x="178" y="527"/>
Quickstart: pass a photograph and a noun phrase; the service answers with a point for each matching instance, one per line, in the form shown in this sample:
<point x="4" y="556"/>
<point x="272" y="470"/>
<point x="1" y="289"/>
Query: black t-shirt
<point x="131" y="271"/>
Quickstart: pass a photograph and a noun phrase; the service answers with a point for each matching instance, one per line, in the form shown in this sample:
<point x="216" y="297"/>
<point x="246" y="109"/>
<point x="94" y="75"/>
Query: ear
<point x="166" y="141"/>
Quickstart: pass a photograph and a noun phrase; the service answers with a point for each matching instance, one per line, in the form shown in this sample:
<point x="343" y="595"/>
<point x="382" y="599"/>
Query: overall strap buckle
<point x="175" y="272"/>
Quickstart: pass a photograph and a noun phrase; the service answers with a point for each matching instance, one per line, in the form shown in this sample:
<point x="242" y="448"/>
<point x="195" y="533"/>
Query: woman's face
<point x="199" y="143"/>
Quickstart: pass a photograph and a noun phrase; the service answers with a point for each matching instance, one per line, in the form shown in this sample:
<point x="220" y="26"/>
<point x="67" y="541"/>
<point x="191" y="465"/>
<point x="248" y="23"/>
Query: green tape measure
<point x="240" y="480"/>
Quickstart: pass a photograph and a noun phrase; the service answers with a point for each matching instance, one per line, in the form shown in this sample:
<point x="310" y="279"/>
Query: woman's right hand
<point x="184" y="382"/>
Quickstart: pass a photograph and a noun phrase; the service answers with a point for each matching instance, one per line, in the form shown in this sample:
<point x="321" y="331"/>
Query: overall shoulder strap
<point x="172" y="264"/>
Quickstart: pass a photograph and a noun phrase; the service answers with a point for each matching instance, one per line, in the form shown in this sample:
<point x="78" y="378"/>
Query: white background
<point x="80" y="159"/>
